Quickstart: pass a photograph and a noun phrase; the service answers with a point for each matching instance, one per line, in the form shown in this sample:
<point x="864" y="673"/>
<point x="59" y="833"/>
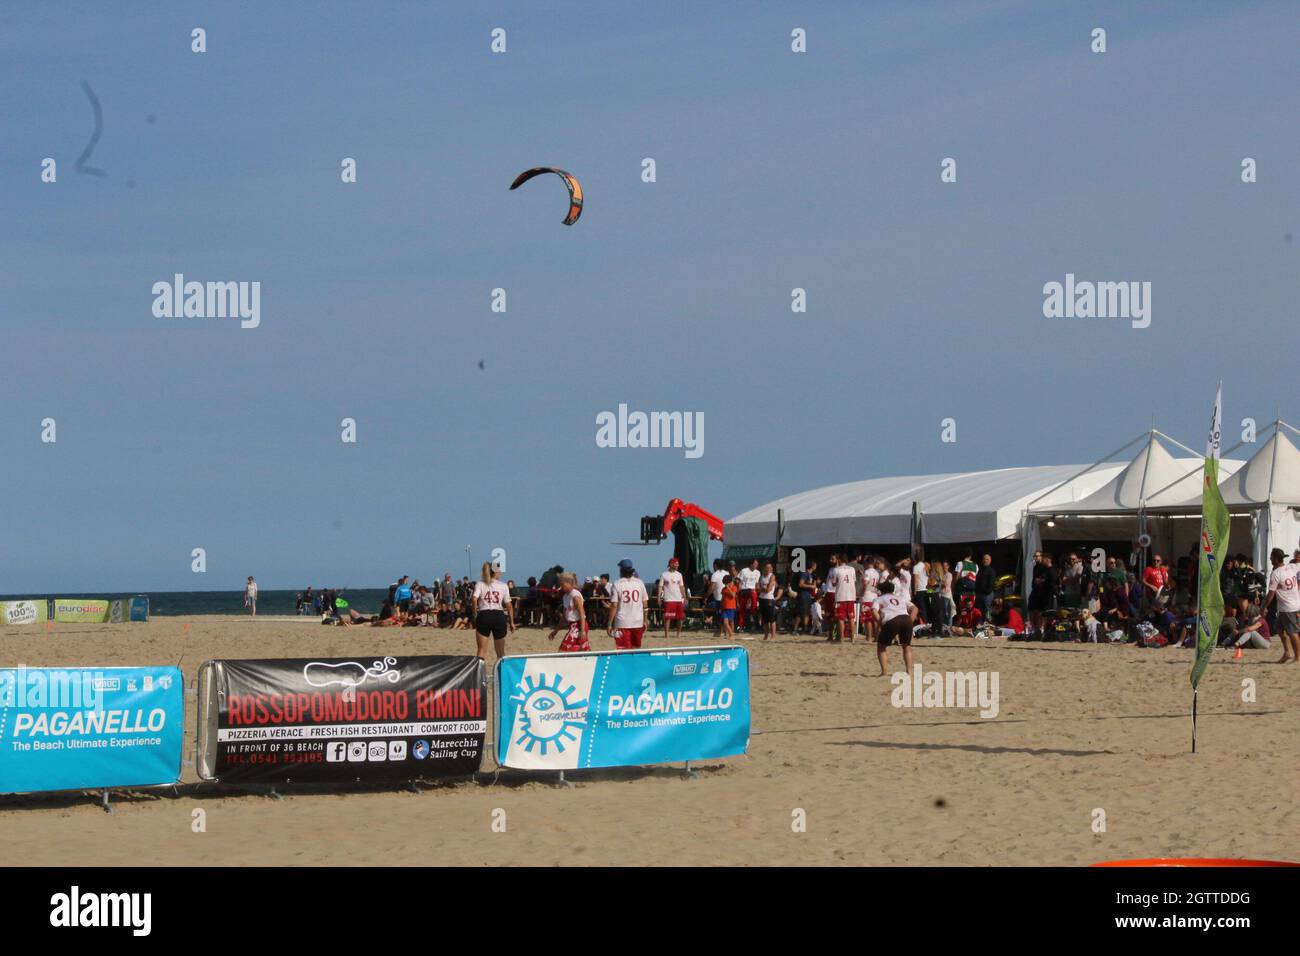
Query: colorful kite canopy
<point x="575" y="188"/>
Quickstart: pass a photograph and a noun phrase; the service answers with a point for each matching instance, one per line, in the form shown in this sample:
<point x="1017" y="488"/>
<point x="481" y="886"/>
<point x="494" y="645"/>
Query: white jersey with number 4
<point x="844" y="580"/>
<point x="630" y="599"/>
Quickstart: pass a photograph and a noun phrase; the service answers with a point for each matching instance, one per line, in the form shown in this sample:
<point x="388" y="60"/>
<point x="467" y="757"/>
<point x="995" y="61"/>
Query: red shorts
<point x="626" y="638"/>
<point x="844" y="610"/>
<point x="674" y="611"/>
<point x="574" y="640"/>
<point x="867" y="606"/>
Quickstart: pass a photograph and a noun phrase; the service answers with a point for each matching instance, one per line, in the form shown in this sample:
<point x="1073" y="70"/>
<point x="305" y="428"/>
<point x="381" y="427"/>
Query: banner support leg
<point x="564" y="783"/>
<point x="691" y="774"/>
<point x="1193" y="720"/>
<point x="103" y="802"/>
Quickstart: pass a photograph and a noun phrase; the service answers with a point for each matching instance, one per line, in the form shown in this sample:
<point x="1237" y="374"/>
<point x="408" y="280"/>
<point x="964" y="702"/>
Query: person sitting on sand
<point x="347" y="616"/>
<point x="1247" y="629"/>
<point x="1184" y="628"/>
<point x="1007" y="621"/>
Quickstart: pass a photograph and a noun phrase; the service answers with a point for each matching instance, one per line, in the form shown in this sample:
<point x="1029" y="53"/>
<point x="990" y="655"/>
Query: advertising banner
<point x="622" y="708"/>
<point x="342" y="719"/>
<point x="22" y="612"/>
<point x="90" y="728"/>
<point x="87" y="610"/>
<point x="139" y="608"/>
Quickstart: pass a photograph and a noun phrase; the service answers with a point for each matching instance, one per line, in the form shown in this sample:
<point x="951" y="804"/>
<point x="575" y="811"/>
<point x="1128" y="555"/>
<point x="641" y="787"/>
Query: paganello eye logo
<point x="547" y="715"/>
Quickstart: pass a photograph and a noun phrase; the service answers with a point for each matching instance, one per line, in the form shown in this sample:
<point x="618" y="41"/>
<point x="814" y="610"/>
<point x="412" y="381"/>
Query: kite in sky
<point x="575" y="188"/>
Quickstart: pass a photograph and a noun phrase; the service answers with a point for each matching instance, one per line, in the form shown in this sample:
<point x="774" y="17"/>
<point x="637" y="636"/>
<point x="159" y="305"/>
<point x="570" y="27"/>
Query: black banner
<point x="345" y="719"/>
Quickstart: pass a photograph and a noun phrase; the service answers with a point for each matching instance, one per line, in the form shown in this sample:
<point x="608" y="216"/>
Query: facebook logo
<point x="336" y="751"/>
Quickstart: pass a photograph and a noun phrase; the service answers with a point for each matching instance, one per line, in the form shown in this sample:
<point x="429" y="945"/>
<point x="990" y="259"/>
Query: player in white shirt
<point x="494" y="614"/>
<point x="250" y="596"/>
<point x="575" y="638"/>
<point x="1284" y="587"/>
<point x="842" y="581"/>
<point x="903" y="578"/>
<point x="748" y="603"/>
<point x="871" y="577"/>
<point x="672" y="596"/>
<point x="920" y="577"/>
<point x="896" y="615"/>
<point x="630" y="600"/>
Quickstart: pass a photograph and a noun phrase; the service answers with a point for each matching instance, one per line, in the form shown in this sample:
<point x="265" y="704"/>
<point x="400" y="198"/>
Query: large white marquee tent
<point x="1153" y="491"/>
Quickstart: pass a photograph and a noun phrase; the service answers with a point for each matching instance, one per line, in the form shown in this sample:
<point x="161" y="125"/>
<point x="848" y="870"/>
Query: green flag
<point x="1214" y="543"/>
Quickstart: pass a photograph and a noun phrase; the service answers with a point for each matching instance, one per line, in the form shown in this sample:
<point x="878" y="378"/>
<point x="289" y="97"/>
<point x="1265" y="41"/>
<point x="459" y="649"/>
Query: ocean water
<point x="186" y="603"/>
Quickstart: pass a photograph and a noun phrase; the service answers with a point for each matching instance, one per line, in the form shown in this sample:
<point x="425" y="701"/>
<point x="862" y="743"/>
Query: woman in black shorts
<point x="493" y="611"/>
<point x="897" y="616"/>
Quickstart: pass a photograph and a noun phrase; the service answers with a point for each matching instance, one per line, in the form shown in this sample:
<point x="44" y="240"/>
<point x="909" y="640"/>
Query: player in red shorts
<point x="629" y="602"/>
<point x="842" y="581"/>
<point x="672" y="596"/>
<point x="576" y="638"/>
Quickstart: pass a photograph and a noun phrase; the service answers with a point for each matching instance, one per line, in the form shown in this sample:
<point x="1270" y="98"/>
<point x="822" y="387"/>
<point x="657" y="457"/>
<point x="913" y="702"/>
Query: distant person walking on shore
<point x="250" y="596"/>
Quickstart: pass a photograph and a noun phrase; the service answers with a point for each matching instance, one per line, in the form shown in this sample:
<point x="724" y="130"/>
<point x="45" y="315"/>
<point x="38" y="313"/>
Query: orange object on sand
<point x="1196" y="862"/>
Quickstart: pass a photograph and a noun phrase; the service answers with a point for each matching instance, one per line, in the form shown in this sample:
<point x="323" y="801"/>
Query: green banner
<point x="23" y="612"/>
<point x="1214" y="543"/>
<point x="86" y="610"/>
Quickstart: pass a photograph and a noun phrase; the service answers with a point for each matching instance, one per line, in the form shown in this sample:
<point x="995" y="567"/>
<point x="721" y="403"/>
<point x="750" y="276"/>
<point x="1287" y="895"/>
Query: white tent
<point x="1153" y="478"/>
<point x="1271" y="475"/>
<point x="1149" y="493"/>
<point x="1078" y="503"/>
<point x="957" y="508"/>
<point x="1268" y="485"/>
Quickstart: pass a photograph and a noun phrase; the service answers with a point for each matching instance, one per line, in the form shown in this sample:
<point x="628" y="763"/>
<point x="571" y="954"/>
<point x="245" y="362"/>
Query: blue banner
<point x="622" y="708"/>
<point x="90" y="728"/>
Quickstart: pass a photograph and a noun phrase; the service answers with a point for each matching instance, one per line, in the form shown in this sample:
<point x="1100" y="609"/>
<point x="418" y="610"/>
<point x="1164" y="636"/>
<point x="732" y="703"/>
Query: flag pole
<point x="1215" y="525"/>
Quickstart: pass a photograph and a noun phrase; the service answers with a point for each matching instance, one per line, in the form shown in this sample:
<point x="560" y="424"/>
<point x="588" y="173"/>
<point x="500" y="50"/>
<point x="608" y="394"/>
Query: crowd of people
<point x="488" y="606"/>
<point x="858" y="595"/>
<point x="1158" y="607"/>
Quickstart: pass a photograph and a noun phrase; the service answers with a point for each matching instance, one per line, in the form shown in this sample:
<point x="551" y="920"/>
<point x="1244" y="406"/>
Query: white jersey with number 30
<point x="630" y="599"/>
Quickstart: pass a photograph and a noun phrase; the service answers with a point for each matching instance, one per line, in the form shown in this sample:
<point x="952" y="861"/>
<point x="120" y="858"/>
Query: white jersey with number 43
<point x="491" y="597"/>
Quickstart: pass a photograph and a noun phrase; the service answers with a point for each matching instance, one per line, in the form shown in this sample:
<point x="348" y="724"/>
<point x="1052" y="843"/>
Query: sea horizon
<point x="215" y="601"/>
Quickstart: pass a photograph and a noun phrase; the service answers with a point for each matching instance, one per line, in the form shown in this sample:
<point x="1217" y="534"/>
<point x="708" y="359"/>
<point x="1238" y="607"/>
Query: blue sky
<point x="775" y="170"/>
